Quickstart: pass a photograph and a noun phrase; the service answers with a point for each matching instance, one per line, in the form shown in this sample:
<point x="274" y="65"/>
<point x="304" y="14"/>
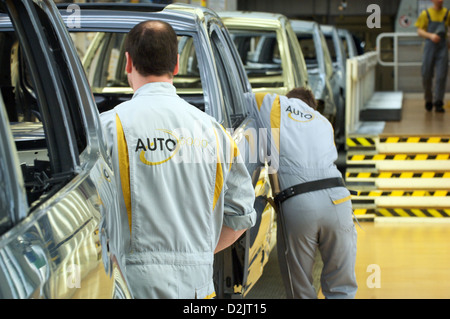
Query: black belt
<point x="309" y="187"/>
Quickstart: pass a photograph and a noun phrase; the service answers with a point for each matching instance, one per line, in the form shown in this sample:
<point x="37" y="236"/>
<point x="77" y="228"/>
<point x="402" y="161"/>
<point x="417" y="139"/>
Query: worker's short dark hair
<point x="153" y="47"/>
<point x="303" y="94"/>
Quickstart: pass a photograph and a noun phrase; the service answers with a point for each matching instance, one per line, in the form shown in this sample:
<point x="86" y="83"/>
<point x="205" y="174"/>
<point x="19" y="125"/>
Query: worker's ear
<point x="129" y="65"/>
<point x="177" y="66"/>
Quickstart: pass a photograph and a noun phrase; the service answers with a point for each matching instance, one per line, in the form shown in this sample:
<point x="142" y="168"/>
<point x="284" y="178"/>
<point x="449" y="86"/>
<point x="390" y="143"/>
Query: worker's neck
<point x="437" y="7"/>
<point x="138" y="81"/>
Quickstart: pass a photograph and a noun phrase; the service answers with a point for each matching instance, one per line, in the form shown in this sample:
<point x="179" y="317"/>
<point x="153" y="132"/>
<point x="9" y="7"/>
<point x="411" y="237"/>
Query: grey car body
<point x="268" y="48"/>
<point x="60" y="230"/>
<point x="322" y="77"/>
<point x="347" y="43"/>
<point x="212" y="78"/>
<point x="339" y="59"/>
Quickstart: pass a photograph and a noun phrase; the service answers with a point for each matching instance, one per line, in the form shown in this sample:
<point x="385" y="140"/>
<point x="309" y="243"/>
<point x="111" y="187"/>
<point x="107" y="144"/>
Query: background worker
<point x="432" y="26"/>
<point x="180" y="211"/>
<point x="316" y="210"/>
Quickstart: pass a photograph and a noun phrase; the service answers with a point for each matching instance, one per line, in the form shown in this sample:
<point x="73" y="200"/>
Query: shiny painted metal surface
<point x="225" y="93"/>
<point x="67" y="242"/>
<point x="61" y="249"/>
<point x="294" y="72"/>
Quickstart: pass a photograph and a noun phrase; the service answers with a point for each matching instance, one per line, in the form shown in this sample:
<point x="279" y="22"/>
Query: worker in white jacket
<point x="315" y="206"/>
<point x="185" y="190"/>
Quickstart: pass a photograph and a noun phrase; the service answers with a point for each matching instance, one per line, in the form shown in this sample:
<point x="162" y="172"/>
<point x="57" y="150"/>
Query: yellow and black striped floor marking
<point x="397" y="175"/>
<point x="361" y="141"/>
<point x="414" y="139"/>
<point x="370" y="141"/>
<point x="413" y="212"/>
<point x="403" y="212"/>
<point x="398" y="157"/>
<point x="404" y="193"/>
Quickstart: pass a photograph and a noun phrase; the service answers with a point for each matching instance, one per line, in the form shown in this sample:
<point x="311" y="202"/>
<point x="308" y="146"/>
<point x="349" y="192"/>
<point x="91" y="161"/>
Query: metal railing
<point x="360" y="87"/>
<point x="410" y="39"/>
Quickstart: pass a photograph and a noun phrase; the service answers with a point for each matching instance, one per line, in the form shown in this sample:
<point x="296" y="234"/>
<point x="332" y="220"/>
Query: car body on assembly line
<point x="322" y="78"/>
<point x="352" y="45"/>
<point x="339" y="59"/>
<point x="212" y="78"/>
<point x="61" y="233"/>
<point x="268" y="49"/>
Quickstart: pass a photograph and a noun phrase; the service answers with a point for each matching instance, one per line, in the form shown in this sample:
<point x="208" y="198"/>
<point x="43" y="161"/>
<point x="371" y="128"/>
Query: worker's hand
<point x="435" y="38"/>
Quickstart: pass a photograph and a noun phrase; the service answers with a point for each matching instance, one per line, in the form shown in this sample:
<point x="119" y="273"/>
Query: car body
<point x="268" y="49"/>
<point x="352" y="45"/>
<point x="339" y="59"/>
<point x="348" y="43"/>
<point x="211" y="77"/>
<point x="322" y="78"/>
<point x="61" y="233"/>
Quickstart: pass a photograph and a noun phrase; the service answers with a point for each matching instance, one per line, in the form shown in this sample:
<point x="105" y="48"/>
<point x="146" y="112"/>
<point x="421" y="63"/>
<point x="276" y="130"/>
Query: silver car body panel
<point x="68" y="241"/>
<point x="320" y="70"/>
<point x="294" y="71"/>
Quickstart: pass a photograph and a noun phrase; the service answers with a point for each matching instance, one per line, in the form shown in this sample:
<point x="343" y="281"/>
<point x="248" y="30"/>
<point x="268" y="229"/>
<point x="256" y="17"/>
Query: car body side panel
<point x="60" y="251"/>
<point x="318" y="75"/>
<point x="292" y="61"/>
<point x="66" y="246"/>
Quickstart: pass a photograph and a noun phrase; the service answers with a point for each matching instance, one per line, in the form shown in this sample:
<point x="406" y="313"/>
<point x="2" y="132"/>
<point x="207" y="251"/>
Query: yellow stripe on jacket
<point x="124" y="167"/>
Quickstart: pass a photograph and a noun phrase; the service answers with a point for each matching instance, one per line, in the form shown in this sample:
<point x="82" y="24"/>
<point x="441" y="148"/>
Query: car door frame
<point x="35" y="251"/>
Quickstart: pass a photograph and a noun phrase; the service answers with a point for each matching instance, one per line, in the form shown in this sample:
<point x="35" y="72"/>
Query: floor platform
<point x="397" y="258"/>
<point x="416" y="121"/>
<point x="383" y="106"/>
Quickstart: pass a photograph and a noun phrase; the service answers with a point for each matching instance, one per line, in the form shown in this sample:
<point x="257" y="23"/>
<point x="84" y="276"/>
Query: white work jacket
<point x="302" y="137"/>
<point x="181" y="179"/>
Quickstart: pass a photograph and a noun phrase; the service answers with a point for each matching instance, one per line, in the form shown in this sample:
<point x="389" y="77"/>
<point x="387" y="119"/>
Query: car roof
<point x="123" y="16"/>
<point x="304" y="25"/>
<point x="327" y="28"/>
<point x="244" y="18"/>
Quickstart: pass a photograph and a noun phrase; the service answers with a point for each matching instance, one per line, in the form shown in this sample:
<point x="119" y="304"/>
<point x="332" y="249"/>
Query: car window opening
<point x="102" y="55"/>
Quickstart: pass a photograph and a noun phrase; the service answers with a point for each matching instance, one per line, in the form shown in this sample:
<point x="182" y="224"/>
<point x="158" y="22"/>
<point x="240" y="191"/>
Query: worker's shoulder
<point x="298" y="103"/>
<point x="435" y="15"/>
<point x="108" y="117"/>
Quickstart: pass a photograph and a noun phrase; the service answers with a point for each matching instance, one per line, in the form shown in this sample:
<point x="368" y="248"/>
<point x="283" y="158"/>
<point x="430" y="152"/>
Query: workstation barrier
<point x="360" y="88"/>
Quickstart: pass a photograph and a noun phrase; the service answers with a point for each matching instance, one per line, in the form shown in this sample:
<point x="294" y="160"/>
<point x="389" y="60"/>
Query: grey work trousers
<point x="312" y="221"/>
<point x="434" y="65"/>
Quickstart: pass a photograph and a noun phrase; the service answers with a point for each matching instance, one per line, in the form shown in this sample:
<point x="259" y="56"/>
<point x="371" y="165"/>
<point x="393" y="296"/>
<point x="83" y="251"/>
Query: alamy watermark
<point x="374" y="279"/>
<point x="374" y="19"/>
<point x="74" y="19"/>
<point x="73" y="276"/>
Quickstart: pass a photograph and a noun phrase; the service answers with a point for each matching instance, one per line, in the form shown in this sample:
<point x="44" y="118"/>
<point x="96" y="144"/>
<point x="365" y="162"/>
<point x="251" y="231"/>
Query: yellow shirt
<point x="435" y="15"/>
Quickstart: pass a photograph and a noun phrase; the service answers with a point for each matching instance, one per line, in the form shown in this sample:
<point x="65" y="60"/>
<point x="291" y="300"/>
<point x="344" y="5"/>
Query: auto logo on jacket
<point x="299" y="116"/>
<point x="160" y="148"/>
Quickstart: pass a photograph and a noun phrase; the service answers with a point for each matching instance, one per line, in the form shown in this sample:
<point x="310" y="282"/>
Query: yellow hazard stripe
<point x="370" y="141"/>
<point x="401" y="193"/>
<point x="403" y="212"/>
<point x="414" y="139"/>
<point x="398" y="157"/>
<point x="398" y="175"/>
<point x="413" y="212"/>
<point x="364" y="211"/>
<point x="360" y="141"/>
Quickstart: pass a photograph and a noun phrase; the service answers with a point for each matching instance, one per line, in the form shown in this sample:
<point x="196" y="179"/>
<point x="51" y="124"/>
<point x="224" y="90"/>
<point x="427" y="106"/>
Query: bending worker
<point x="316" y="210"/>
<point x="184" y="201"/>
<point x="432" y="25"/>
